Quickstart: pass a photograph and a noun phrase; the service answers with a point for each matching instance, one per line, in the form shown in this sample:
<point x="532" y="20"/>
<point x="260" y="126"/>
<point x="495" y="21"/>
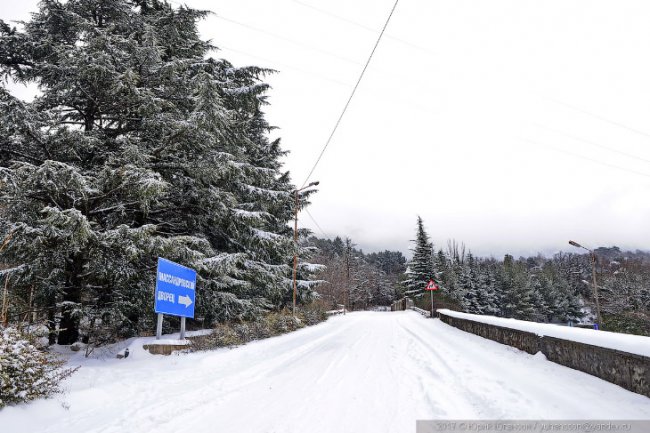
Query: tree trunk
<point x="68" y="328"/>
<point x="51" y="320"/>
<point x="69" y="325"/>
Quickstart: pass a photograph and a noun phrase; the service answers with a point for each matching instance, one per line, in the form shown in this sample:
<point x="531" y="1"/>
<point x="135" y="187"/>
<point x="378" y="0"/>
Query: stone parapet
<point x="627" y="370"/>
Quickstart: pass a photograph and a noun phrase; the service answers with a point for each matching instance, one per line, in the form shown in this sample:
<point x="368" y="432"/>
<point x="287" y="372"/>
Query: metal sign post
<point x="175" y="293"/>
<point x="159" y="326"/>
<point x="431" y="286"/>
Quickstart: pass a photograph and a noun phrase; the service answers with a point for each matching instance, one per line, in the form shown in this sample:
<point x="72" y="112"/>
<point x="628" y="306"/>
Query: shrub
<point x="27" y="373"/>
<point x="629" y="322"/>
<point x="224" y="335"/>
<point x="283" y="322"/>
<point x="268" y="325"/>
<point x="261" y="329"/>
<point x="313" y="313"/>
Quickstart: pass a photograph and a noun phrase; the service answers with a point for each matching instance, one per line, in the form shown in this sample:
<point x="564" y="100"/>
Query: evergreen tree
<point x="139" y="146"/>
<point x="471" y="289"/>
<point x="372" y="277"/>
<point x="541" y="298"/>
<point x="338" y="247"/>
<point x="391" y="262"/>
<point x="420" y="269"/>
<point x="516" y="294"/>
<point x="488" y="294"/>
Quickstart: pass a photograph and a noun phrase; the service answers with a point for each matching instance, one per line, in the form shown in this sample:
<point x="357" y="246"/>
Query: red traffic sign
<point x="432" y="285"/>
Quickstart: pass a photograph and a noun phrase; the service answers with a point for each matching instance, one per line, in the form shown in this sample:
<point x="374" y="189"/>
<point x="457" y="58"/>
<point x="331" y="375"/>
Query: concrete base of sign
<point x="166" y="347"/>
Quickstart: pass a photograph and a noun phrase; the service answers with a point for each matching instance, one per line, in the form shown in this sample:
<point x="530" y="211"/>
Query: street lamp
<point x="295" y="242"/>
<point x="593" y="276"/>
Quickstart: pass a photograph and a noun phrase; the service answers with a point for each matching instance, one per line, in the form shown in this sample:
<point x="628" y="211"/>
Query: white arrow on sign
<point x="185" y="300"/>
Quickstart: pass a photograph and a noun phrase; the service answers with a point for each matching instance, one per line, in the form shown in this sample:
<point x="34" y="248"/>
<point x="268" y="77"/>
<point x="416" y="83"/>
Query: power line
<point x="629" y="155"/>
<point x="283" y="38"/>
<point x="406" y="101"/>
<point x="315" y="222"/>
<point x="347" y="104"/>
<point x="357" y="24"/>
<point x="410" y="103"/>
<point x="618" y="167"/>
<point x="313" y="48"/>
<point x="604" y="119"/>
<point x="286" y="65"/>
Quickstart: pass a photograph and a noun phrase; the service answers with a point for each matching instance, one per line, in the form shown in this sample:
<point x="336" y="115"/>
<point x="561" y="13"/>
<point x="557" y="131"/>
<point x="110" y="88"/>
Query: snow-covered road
<point x="363" y="372"/>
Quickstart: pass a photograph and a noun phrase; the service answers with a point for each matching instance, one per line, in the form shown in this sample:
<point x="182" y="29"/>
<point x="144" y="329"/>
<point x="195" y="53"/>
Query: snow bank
<point x="169" y="342"/>
<point x="613" y="340"/>
<point x="134" y="345"/>
<point x="362" y="372"/>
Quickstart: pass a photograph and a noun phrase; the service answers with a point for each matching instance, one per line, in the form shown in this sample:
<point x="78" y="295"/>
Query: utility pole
<point x="346" y="294"/>
<point x="593" y="277"/>
<point x="295" y="255"/>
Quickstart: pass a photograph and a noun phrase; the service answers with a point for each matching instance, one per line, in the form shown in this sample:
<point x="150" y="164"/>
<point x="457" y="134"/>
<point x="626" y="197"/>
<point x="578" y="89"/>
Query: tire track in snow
<point x="230" y="377"/>
<point x="265" y="364"/>
<point x="374" y="372"/>
<point x="508" y="381"/>
<point x="463" y="383"/>
<point x="438" y="379"/>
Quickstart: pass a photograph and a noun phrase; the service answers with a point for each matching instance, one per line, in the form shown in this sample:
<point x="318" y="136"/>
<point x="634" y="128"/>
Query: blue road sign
<point x="175" y="289"/>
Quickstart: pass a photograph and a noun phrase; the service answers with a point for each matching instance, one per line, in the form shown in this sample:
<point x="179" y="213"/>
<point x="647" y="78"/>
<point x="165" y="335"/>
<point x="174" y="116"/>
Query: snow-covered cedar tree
<point x="27" y="373"/>
<point x="421" y="267"/>
<point x="139" y="145"/>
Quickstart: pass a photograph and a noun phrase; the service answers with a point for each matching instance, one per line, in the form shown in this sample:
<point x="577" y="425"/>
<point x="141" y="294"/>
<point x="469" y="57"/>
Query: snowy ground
<point x="362" y="372"/>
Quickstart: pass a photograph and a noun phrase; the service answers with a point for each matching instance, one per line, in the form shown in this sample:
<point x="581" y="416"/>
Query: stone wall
<point x="627" y="370"/>
<point x="526" y="341"/>
<point x="402" y="304"/>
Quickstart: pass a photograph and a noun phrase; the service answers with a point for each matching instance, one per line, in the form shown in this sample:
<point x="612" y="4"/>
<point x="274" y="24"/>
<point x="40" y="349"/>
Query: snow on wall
<point x="612" y="340"/>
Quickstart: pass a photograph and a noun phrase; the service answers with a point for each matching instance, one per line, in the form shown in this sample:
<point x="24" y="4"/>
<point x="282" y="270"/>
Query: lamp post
<point x="295" y="243"/>
<point x="593" y="276"/>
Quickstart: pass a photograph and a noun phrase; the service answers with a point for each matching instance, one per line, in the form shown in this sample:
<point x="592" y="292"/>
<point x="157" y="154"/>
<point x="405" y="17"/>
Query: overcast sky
<point x="509" y="125"/>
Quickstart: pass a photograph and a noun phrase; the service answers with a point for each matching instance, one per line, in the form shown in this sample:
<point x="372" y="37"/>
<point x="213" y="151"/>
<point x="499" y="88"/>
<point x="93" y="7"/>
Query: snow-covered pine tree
<point x="420" y="269"/>
<point x="448" y="272"/>
<point x="488" y="295"/>
<point x="475" y="298"/>
<point x="388" y="264"/>
<point x="541" y="297"/>
<point x="373" y="277"/>
<point x="391" y="262"/>
<point x="383" y="289"/>
<point x="138" y="146"/>
<point x="515" y="292"/>
<point x="559" y="296"/>
<point x="27" y="372"/>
